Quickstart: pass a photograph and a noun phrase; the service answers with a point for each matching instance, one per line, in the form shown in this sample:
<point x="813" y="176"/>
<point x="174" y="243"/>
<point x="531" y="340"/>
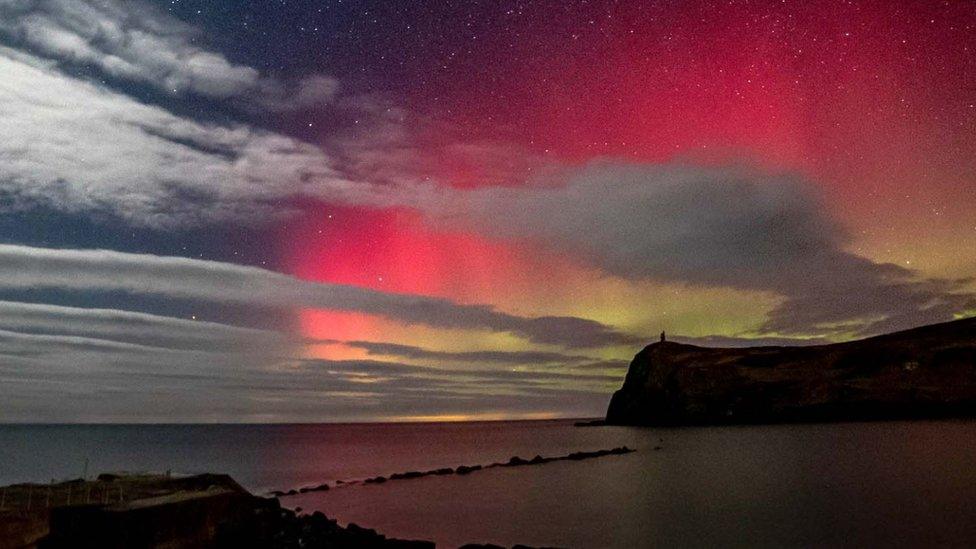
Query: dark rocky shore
<point x="150" y="511"/>
<point x="514" y="461"/>
<point x="139" y="511"/>
<point x="921" y="373"/>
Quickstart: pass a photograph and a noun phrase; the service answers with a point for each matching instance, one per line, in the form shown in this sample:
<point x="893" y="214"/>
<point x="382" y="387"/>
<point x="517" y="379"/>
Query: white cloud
<point x="135" y="327"/>
<point x="310" y="91"/>
<point x="78" y="147"/>
<point x="135" y="41"/>
<point x="58" y="379"/>
<point x="23" y="268"/>
<point x="727" y="227"/>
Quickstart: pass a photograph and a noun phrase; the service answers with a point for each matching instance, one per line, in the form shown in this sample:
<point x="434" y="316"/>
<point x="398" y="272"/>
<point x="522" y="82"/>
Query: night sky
<point x="357" y="211"/>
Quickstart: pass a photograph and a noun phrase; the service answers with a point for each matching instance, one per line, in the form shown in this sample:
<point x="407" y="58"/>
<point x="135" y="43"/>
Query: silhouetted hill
<point x="923" y="372"/>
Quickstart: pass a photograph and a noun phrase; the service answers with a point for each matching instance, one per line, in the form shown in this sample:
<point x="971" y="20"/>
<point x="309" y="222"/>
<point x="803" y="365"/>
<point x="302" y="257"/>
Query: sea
<point x="885" y="484"/>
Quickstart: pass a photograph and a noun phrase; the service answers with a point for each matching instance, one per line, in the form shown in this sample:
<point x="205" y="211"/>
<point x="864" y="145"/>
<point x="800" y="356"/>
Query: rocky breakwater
<point x="514" y="461"/>
<point x="920" y="373"/>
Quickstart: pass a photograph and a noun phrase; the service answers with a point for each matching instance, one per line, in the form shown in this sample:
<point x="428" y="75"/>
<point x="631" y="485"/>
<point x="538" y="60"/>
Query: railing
<point x="28" y="498"/>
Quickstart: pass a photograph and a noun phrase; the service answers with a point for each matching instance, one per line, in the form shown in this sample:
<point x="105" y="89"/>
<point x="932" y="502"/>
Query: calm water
<point x="865" y="484"/>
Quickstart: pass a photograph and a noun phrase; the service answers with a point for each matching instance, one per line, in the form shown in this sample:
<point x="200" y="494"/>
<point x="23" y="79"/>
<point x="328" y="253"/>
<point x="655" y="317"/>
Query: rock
<point x="307" y="489"/>
<point x="359" y="530"/>
<point x="675" y="384"/>
<point x="318" y="530"/>
<point x="442" y="471"/>
<point x="516" y="461"/>
<point x="408" y="474"/>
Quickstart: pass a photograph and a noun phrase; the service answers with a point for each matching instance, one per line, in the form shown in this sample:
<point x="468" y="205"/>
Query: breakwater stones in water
<point x="514" y="461"/>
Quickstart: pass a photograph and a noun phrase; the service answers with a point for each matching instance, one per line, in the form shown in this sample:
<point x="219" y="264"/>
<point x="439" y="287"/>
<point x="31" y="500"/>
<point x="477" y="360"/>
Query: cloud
<point x="308" y="93"/>
<point x="21" y="344"/>
<point x="78" y="147"/>
<point x="73" y="364"/>
<point x="726" y="227"/>
<point x="60" y="378"/>
<point x="372" y="370"/>
<point x="668" y="221"/>
<point x="734" y="341"/>
<point x="135" y="41"/>
<point x="23" y="267"/>
<point x="376" y="348"/>
<point x="136" y="328"/>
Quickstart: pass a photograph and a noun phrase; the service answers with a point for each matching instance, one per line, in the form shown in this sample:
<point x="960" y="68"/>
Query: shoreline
<point x="143" y="511"/>
<point x="131" y="510"/>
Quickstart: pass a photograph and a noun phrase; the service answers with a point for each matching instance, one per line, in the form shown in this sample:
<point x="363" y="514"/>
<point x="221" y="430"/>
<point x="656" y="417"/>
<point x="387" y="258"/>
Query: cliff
<point x="923" y="372"/>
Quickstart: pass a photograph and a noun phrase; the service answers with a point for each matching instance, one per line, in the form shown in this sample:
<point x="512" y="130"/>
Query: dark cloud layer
<point x="726" y="227"/>
<point x="508" y="357"/>
<point x="23" y="267"/>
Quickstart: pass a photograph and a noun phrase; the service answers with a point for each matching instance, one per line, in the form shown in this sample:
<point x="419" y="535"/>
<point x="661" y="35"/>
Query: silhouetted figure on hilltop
<point x="662" y="336"/>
